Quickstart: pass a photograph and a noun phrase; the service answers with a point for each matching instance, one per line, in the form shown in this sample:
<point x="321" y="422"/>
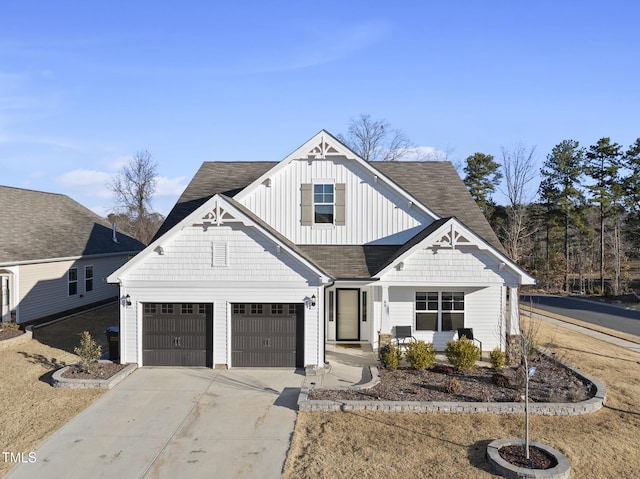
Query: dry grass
<point x="31" y="408"/>
<point x="367" y="445"/>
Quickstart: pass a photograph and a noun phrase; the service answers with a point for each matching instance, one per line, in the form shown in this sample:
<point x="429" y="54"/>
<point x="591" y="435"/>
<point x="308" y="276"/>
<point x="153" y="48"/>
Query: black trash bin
<point x="113" y="339"/>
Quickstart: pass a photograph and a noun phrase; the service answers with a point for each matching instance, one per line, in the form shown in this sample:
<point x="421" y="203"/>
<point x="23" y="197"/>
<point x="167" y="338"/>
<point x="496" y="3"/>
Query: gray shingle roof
<point x="434" y="184"/>
<point x="35" y="225"/>
<point x="437" y="185"/>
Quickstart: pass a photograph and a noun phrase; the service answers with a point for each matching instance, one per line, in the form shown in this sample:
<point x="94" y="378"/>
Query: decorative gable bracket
<point x="323" y="148"/>
<point x="217" y="216"/>
<point x="453" y="237"/>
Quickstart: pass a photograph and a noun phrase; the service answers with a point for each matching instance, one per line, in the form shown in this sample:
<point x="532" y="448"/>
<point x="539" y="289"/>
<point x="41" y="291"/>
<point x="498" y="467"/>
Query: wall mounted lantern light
<point x="127" y="300"/>
<point x="313" y="300"/>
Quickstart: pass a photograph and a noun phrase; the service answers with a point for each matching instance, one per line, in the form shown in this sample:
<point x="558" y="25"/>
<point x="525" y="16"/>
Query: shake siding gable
<point x="250" y="258"/>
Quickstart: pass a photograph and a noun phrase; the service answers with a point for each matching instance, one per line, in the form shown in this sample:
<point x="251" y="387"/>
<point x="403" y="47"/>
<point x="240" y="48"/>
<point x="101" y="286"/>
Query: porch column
<point x="385" y="326"/>
<point x="320" y="315"/>
<point x="514" y="337"/>
<point x="514" y="311"/>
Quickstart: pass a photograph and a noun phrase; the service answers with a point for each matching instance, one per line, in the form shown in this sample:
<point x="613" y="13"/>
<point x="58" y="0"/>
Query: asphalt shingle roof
<point x="435" y="184"/>
<point x="35" y="225"/>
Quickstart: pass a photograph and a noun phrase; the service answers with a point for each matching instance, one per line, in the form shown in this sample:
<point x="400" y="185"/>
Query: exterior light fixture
<point x="127" y="300"/>
<point x="313" y="300"/>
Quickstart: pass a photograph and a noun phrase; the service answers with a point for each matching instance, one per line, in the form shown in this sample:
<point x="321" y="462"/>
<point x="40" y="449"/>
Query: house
<point x="55" y="255"/>
<point x="263" y="263"/>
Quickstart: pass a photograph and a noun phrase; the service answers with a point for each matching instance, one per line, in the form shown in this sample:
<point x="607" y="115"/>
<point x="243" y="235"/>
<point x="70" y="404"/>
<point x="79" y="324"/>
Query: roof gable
<point x="218" y="210"/>
<point x="450" y="233"/>
<point x="35" y="225"/>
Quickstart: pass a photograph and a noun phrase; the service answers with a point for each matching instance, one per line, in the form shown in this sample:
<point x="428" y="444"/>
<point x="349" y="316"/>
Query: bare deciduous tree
<point x="375" y="140"/>
<point x="518" y="170"/>
<point x="133" y="188"/>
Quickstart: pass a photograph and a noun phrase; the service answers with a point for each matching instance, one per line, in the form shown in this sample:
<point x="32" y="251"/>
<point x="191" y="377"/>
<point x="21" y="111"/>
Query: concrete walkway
<point x="177" y="423"/>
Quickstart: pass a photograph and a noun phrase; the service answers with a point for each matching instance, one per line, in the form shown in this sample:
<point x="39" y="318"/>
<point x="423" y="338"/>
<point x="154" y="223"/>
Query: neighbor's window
<point x="323" y="204"/>
<point x="88" y="278"/>
<point x="439" y="311"/>
<point x="72" y="277"/>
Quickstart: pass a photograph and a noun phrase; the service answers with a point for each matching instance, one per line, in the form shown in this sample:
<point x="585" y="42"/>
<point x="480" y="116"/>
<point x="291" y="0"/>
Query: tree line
<point x="582" y="227"/>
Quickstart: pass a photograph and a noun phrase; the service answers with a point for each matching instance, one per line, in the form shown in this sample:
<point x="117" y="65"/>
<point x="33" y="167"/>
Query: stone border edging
<point x="16" y="340"/>
<point x="57" y="381"/>
<point x="588" y="406"/>
<point x="561" y="471"/>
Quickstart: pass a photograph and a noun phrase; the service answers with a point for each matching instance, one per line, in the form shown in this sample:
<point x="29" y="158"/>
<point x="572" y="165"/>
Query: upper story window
<point x="323" y="204"/>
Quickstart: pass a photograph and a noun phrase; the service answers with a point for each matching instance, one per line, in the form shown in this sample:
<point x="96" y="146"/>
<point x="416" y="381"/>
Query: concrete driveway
<point x="177" y="423"/>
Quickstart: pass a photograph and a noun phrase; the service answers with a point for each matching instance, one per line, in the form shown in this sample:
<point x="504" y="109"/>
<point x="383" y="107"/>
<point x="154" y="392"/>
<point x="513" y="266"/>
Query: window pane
<point x="318" y="189"/>
<point x="452" y="321"/>
<point x="324" y="214"/>
<point x="73" y="274"/>
<point x="73" y="289"/>
<point x="426" y="321"/>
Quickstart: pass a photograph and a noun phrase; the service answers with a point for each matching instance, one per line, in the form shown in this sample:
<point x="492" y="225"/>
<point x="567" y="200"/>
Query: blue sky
<point x="84" y="85"/>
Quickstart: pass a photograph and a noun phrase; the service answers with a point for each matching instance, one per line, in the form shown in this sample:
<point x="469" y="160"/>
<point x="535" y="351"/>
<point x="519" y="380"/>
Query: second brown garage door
<point x="267" y="335"/>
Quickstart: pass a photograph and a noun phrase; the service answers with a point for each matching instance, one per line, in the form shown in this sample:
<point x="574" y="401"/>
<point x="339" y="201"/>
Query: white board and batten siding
<point x="375" y="212"/>
<point x="219" y="265"/>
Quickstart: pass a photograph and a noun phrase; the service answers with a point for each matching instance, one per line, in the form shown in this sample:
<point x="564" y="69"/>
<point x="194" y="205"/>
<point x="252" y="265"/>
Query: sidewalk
<point x="569" y="323"/>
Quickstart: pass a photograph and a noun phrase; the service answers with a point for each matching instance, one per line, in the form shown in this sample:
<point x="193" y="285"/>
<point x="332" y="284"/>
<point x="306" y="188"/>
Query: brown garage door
<point x="177" y="334"/>
<point x="267" y="335"/>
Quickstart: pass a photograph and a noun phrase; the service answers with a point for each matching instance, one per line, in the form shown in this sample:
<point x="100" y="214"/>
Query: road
<point x="610" y="316"/>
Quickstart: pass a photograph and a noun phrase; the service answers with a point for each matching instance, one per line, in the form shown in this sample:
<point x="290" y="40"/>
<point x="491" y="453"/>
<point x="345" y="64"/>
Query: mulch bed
<point x="95" y="371"/>
<point x="516" y="455"/>
<point x="552" y="382"/>
<point x="9" y="333"/>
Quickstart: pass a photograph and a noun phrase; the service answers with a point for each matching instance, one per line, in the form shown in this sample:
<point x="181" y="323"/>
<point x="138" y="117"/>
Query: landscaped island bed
<point x="551" y="382"/>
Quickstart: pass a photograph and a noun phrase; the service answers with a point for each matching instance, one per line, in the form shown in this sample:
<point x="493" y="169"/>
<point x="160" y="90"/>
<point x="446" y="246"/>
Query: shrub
<point x="454" y="386"/>
<point x="420" y="355"/>
<point x="89" y="351"/>
<point x="498" y="359"/>
<point x="390" y="356"/>
<point x="462" y="354"/>
<point x="10" y="326"/>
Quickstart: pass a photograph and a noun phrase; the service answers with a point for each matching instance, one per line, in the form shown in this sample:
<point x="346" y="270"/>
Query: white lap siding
<point x="255" y="272"/>
<point x="481" y="312"/>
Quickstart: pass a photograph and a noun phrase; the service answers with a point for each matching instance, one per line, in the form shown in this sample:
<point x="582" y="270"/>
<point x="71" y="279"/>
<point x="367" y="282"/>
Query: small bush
<point x="462" y="354"/>
<point x="420" y="355"/>
<point x="498" y="359"/>
<point x="454" y="386"/>
<point x="10" y="326"/>
<point x="89" y="351"/>
<point x="390" y="356"/>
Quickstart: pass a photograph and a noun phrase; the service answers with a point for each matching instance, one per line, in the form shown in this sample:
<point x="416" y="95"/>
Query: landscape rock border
<point x="541" y="409"/>
<point x="57" y="381"/>
<point x="17" y="340"/>
<point x="561" y="471"/>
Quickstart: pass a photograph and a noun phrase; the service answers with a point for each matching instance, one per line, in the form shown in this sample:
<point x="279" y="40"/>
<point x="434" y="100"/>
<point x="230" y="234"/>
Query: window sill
<point x="321" y="226"/>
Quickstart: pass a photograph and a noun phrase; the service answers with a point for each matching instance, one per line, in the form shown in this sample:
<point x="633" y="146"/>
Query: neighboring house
<point x="263" y="263"/>
<point x="55" y="255"/>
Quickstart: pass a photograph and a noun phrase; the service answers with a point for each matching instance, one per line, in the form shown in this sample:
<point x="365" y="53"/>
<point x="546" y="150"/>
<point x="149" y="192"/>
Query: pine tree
<point x="482" y="174"/>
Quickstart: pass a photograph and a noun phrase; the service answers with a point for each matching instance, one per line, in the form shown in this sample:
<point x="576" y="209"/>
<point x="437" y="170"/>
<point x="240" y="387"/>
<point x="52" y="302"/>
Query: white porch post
<point x="321" y="315"/>
<point x="385" y="326"/>
<point x="514" y="311"/>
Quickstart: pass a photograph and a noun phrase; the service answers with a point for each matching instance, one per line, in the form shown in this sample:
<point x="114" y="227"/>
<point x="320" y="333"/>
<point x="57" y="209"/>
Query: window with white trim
<point x="72" y="279"/>
<point x="88" y="279"/>
<point x="439" y="310"/>
<point x="323" y="203"/>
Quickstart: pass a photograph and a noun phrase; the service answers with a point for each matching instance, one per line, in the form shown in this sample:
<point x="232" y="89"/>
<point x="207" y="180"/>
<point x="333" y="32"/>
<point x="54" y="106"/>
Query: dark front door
<point x="348" y="315"/>
<point x="267" y="335"/>
<point x="177" y="334"/>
